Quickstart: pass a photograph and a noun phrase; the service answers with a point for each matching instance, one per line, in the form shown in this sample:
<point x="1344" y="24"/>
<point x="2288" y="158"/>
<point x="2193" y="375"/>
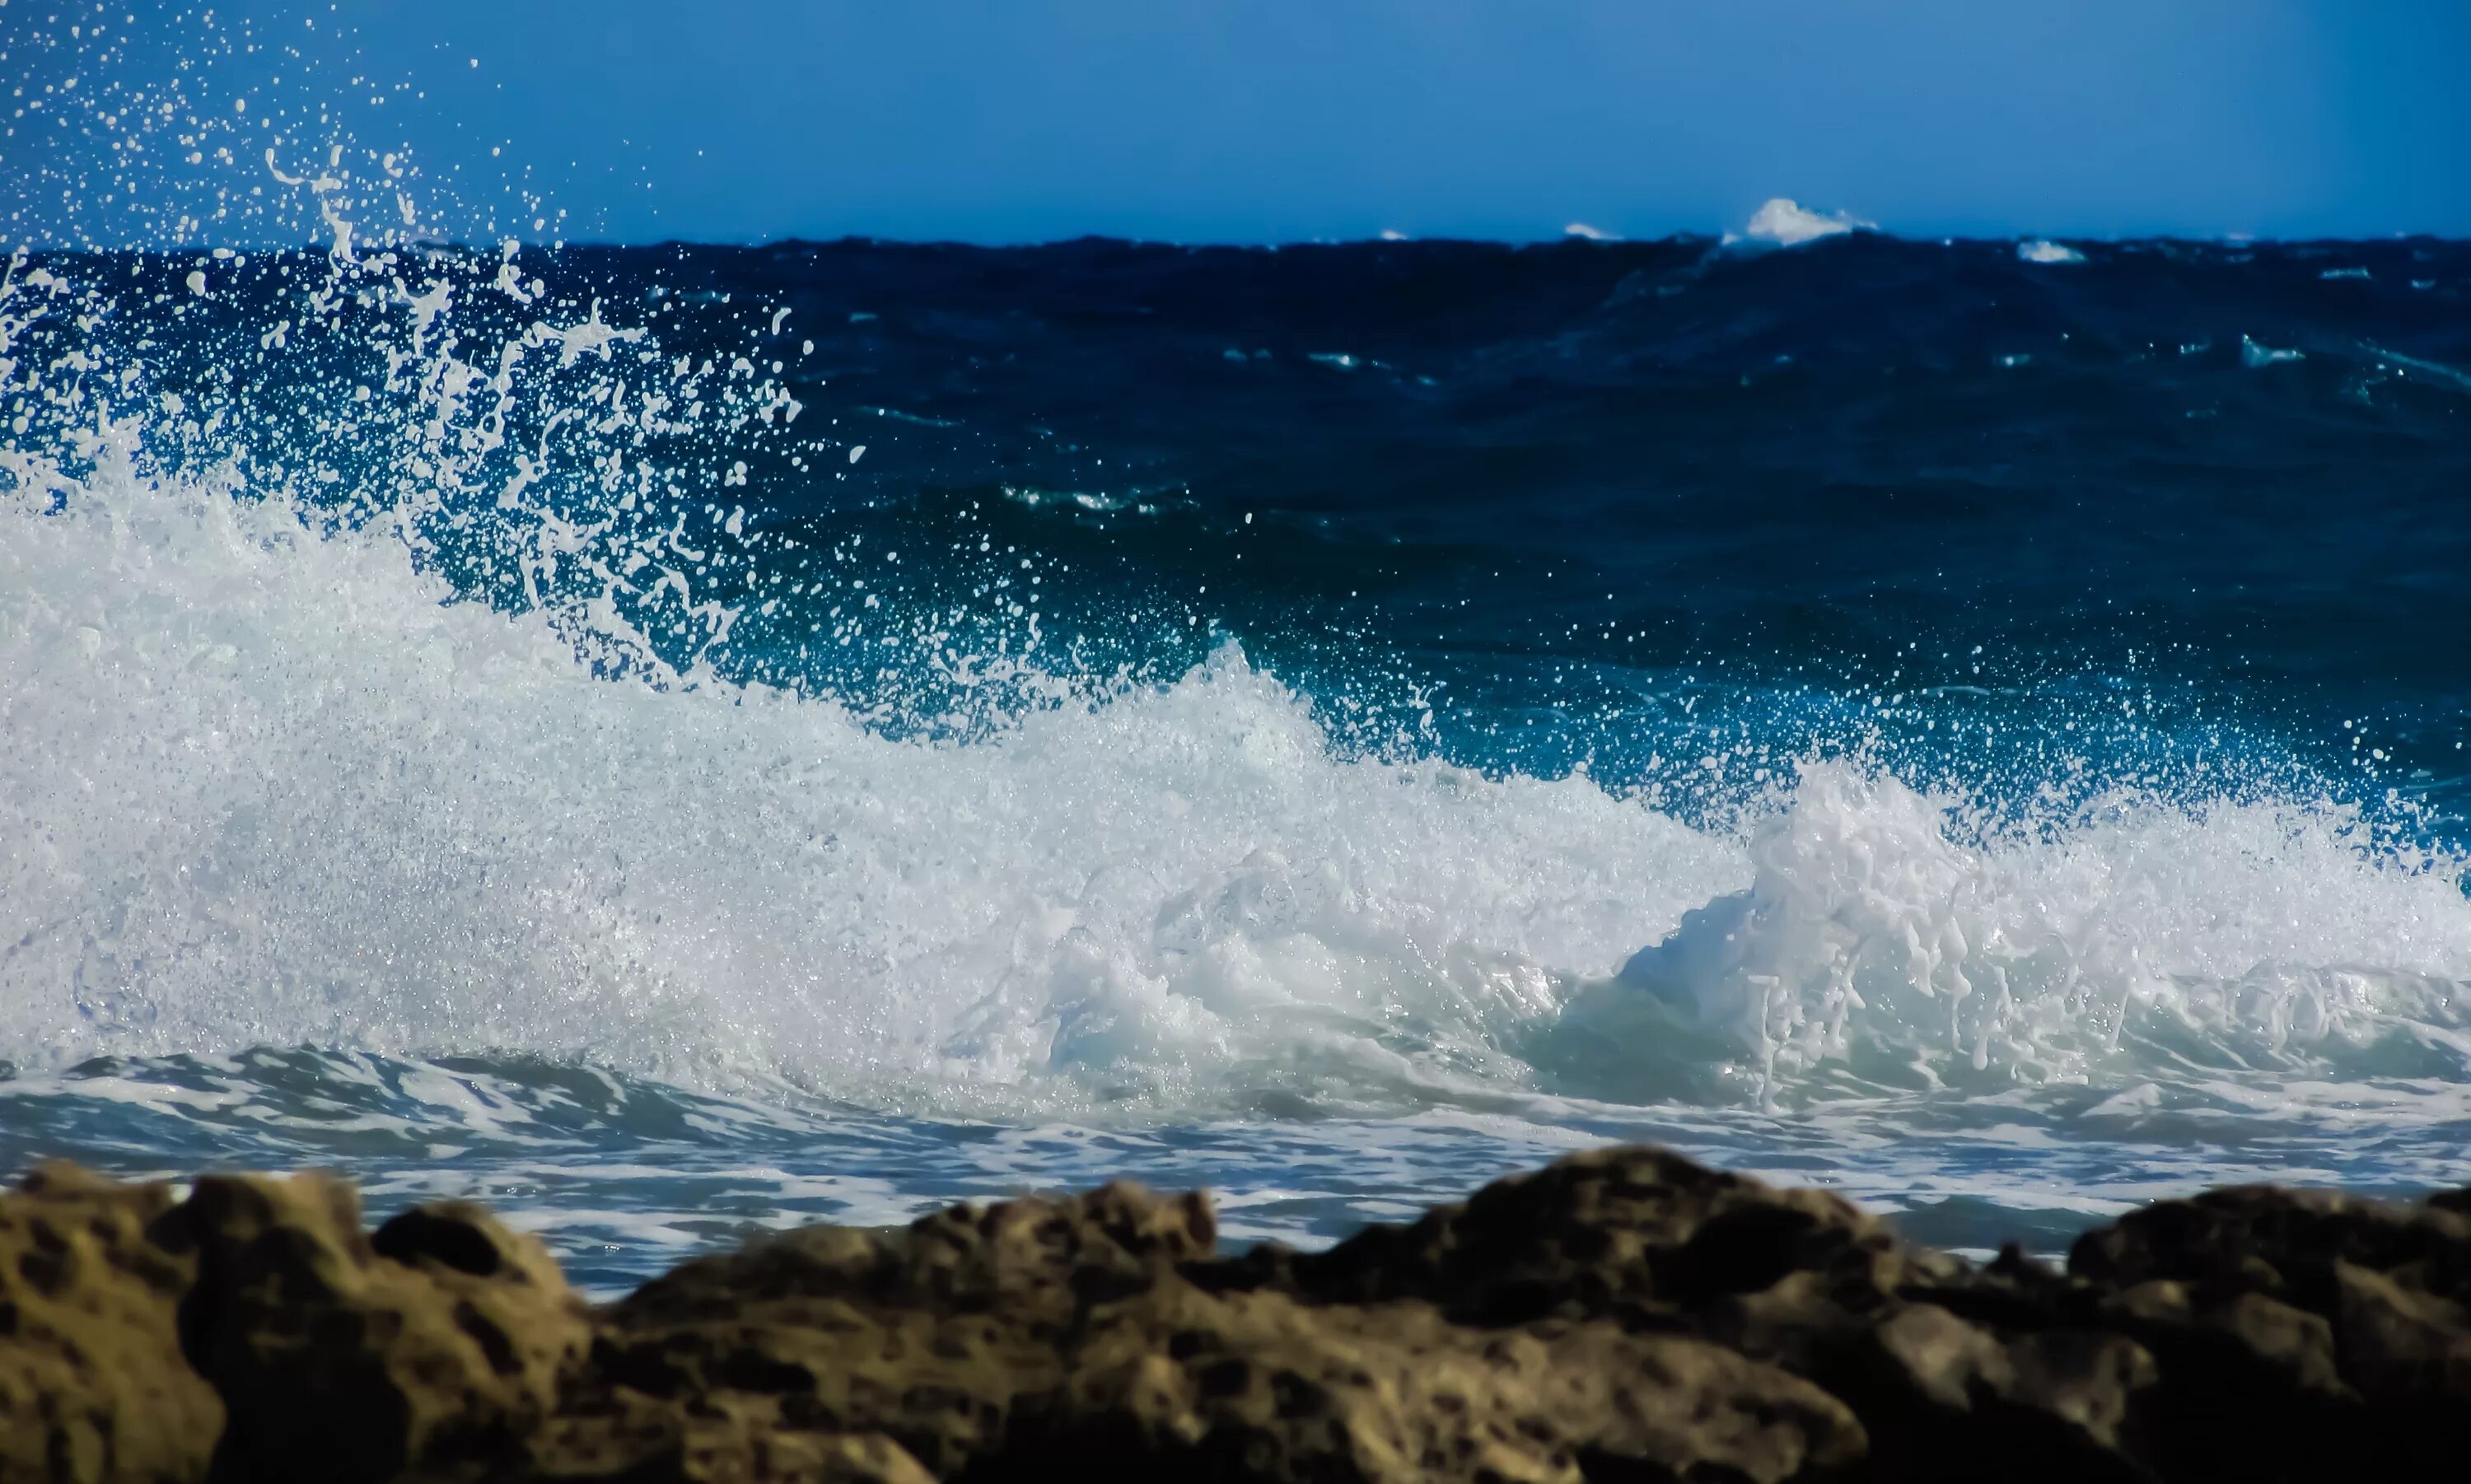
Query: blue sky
<point x="1291" y="119"/>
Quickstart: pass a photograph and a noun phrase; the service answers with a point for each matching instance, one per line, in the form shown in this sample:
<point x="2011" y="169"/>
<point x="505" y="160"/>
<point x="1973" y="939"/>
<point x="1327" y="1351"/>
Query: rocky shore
<point x="1622" y="1315"/>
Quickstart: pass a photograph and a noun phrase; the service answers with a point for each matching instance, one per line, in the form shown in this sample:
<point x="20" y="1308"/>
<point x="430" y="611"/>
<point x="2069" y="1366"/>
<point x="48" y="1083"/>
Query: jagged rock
<point x="1042" y="1262"/>
<point x="2347" y="1315"/>
<point x="1624" y="1314"/>
<point x="1940" y="1362"/>
<point x="1030" y="1336"/>
<point x="927" y="1337"/>
<point x="1639" y="1230"/>
<point x="2242" y="1355"/>
<point x="341" y="1356"/>
<point x="2401" y="1343"/>
<point x="2283" y="1243"/>
<point x="92" y="1384"/>
<point x="1257" y="1387"/>
<point x="723" y="1446"/>
<point x="1941" y="1396"/>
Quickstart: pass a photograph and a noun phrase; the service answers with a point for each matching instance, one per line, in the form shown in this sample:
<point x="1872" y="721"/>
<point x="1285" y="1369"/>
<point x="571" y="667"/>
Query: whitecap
<point x="1782" y="223"/>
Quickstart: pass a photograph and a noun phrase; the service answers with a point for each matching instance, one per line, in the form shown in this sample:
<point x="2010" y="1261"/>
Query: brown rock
<point x="438" y="1342"/>
<point x="2408" y="1353"/>
<point x="927" y="1337"/>
<point x="1610" y="1229"/>
<point x="2283" y="1243"/>
<point x="1625" y="1314"/>
<point x="1941" y="1397"/>
<point x="1042" y="1262"/>
<point x="2331" y="1326"/>
<point x="1013" y="1341"/>
<point x="718" y="1449"/>
<point x="92" y="1386"/>
<point x="1254" y="1386"/>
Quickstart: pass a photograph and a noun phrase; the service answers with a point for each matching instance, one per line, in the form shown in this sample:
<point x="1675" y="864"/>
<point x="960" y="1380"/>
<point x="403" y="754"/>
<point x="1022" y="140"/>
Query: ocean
<point x="681" y="741"/>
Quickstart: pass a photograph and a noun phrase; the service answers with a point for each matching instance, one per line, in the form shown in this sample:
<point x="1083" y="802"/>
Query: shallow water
<point x="681" y="742"/>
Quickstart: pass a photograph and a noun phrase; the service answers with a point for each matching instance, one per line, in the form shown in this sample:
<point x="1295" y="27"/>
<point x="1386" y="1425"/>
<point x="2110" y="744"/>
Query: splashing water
<point x="448" y="733"/>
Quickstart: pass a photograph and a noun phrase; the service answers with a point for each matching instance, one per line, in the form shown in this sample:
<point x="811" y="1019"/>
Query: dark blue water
<point x="644" y="732"/>
<point x="1557" y="479"/>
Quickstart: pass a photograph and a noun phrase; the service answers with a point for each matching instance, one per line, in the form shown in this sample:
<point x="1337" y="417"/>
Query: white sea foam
<point x="270" y="787"/>
<point x="2045" y="251"/>
<point x="2232" y="933"/>
<point x="1785" y="224"/>
<point x="272" y="780"/>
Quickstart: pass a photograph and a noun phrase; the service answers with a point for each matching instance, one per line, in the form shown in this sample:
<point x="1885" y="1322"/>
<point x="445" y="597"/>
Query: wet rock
<point x="2237" y="1356"/>
<point x="2284" y="1243"/>
<point x="926" y="1338"/>
<point x="1043" y="1263"/>
<point x="1939" y="1360"/>
<point x="1642" y="1232"/>
<point x="2334" y="1323"/>
<point x="1941" y="1396"/>
<point x="721" y="1448"/>
<point x="1256" y="1386"/>
<point x="1623" y="1315"/>
<point x="340" y="1356"/>
<point x="2400" y="1343"/>
<point x="92" y="1384"/>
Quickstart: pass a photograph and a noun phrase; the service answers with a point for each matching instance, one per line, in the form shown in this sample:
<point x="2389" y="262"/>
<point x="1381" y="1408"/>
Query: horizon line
<point x="1572" y="238"/>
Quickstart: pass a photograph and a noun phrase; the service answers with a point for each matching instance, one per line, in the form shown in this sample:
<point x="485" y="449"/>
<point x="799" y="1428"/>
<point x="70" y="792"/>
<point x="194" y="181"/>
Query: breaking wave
<point x="273" y="780"/>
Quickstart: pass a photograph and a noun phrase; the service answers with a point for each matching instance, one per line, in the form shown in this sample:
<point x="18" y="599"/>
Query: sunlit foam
<point x="419" y="750"/>
<point x="1785" y="224"/>
<point x="269" y="787"/>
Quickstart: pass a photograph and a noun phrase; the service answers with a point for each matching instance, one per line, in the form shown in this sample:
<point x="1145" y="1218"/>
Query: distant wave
<point x="2043" y="251"/>
<point x="1785" y="223"/>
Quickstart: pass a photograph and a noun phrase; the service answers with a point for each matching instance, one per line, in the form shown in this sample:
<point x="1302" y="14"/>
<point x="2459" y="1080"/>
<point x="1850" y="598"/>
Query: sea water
<point x="682" y="741"/>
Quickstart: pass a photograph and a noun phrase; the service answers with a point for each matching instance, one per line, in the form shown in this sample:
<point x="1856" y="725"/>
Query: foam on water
<point x="273" y="786"/>
<point x="426" y="754"/>
<point x="2133" y="932"/>
<point x="380" y="713"/>
<point x="1782" y="223"/>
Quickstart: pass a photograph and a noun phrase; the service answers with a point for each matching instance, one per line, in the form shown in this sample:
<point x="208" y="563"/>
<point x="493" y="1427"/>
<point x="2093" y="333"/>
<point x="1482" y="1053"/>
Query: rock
<point x="2265" y="1240"/>
<point x="722" y="1448"/>
<point x="1941" y="1396"/>
<point x="2242" y="1355"/>
<point x="2344" y="1317"/>
<point x="1254" y="1386"/>
<point x="1018" y="1339"/>
<point x="343" y="1356"/>
<point x="926" y="1338"/>
<point x="1623" y="1315"/>
<point x="92" y="1384"/>
<point x="1044" y="1262"/>
<point x="1640" y="1231"/>
<point x="2407" y="1351"/>
<point x="1940" y="1363"/>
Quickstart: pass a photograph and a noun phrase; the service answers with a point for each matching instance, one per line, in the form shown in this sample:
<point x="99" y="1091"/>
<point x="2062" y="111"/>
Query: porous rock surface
<point x="1621" y="1315"/>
